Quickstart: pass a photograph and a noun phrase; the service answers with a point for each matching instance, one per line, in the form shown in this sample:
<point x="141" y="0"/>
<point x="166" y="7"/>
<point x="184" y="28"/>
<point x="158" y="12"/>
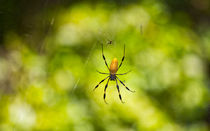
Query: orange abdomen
<point x="114" y="66"/>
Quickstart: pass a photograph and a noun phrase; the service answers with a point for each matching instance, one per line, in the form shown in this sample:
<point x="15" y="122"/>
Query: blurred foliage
<point x="50" y="51"/>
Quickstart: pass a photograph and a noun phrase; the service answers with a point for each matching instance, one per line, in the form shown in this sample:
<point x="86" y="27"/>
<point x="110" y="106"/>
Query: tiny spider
<point x="109" y="42"/>
<point x="112" y="75"/>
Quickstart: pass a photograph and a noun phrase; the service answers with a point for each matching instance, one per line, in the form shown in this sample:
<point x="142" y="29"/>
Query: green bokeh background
<point x="50" y="51"/>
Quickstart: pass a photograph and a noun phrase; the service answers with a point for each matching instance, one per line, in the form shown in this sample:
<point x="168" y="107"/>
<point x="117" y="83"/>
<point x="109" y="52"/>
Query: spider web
<point x="84" y="66"/>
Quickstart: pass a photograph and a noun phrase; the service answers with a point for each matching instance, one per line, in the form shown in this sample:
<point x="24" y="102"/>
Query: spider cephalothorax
<point x="113" y="74"/>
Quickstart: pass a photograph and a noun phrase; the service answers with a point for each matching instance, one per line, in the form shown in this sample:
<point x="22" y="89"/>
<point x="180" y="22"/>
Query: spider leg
<point x="105" y="91"/>
<point x="124" y="73"/>
<point x="124" y="85"/>
<point x="101" y="72"/>
<point x="122" y="58"/>
<point x="118" y="89"/>
<point x="104" y="58"/>
<point x="100" y="82"/>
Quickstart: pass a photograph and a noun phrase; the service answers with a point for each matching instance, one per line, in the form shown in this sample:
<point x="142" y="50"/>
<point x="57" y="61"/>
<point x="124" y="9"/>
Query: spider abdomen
<point x="114" y="66"/>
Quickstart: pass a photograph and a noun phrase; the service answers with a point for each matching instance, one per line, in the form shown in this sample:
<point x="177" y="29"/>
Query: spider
<point x="109" y="42"/>
<point x="113" y="75"/>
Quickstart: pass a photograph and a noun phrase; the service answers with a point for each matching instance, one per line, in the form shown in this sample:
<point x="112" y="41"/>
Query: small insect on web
<point x="112" y="75"/>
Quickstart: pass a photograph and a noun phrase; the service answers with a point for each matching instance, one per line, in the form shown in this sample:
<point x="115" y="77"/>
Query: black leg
<point x="125" y="85"/>
<point x="104" y="58"/>
<point x="118" y="89"/>
<point x="100" y="83"/>
<point x="105" y="91"/>
<point x="124" y="73"/>
<point x="101" y="72"/>
<point x="122" y="58"/>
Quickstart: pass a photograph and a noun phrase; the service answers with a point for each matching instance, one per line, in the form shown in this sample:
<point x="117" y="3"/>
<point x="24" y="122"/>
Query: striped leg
<point x="122" y="58"/>
<point x="124" y="73"/>
<point x="104" y="58"/>
<point x="125" y="85"/>
<point x="105" y="91"/>
<point x="118" y="89"/>
<point x="100" y="83"/>
<point x="102" y="72"/>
